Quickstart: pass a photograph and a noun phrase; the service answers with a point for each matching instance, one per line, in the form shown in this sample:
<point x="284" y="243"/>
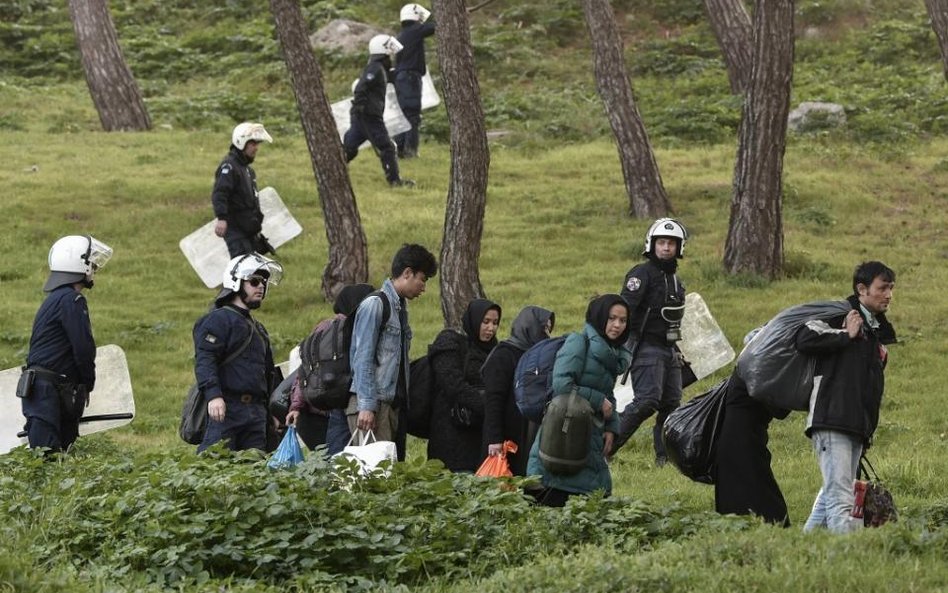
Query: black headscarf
<point x="527" y="328"/>
<point x="349" y="298"/>
<point x="597" y="315"/>
<point x="472" y="319"/>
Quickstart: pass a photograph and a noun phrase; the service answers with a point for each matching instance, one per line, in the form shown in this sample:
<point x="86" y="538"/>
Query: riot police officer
<point x="656" y="299"/>
<point x="233" y="362"/>
<point x="60" y="367"/>
<point x="410" y="67"/>
<point x="366" y="117"/>
<point x="235" y="198"/>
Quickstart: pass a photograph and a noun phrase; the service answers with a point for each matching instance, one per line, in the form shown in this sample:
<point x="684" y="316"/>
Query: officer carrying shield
<point x="60" y="367"/>
<point x="235" y="198"/>
<point x="656" y="299"/>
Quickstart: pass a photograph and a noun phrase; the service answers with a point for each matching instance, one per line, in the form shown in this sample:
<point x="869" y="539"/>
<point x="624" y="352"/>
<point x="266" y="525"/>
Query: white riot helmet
<point x="384" y="45"/>
<point x="242" y="268"/>
<point x="249" y="131"/>
<point x="414" y="12"/>
<point x="75" y="258"/>
<point x="666" y="227"/>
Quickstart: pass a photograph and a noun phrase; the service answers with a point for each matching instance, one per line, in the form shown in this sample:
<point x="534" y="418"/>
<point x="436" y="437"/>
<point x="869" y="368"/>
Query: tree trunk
<point x="470" y="159"/>
<point x="643" y="182"/>
<point x="755" y="234"/>
<point x="348" y="260"/>
<point x="115" y="93"/>
<point x="735" y="33"/>
<point x="938" y="12"/>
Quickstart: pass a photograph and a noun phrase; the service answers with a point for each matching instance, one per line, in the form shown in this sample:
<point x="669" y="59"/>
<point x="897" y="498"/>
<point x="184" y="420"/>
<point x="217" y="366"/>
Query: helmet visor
<point x="273" y="270"/>
<point x="99" y="254"/>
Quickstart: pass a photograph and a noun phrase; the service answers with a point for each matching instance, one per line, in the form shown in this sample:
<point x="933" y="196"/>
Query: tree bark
<point x="938" y="13"/>
<point x="470" y="160"/>
<point x="643" y="181"/>
<point x="348" y="260"/>
<point x="755" y="234"/>
<point x="735" y="33"/>
<point x="114" y="92"/>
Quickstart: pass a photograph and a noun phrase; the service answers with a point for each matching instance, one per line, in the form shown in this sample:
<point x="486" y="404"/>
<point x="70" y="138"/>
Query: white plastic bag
<point x="369" y="453"/>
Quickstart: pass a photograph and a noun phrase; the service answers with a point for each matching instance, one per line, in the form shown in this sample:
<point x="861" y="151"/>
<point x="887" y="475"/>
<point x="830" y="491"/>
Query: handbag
<point x="289" y="454"/>
<point x="874" y="503"/>
<point x="496" y="466"/>
<point x="370" y="454"/>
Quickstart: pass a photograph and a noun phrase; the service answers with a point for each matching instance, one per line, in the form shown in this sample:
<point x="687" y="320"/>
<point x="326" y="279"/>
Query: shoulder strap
<point x="386" y="306"/>
<point x="246" y="344"/>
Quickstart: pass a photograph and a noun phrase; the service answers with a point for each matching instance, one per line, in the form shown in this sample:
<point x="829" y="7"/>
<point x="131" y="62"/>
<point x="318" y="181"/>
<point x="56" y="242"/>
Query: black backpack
<point x="421" y="388"/>
<point x="325" y="374"/>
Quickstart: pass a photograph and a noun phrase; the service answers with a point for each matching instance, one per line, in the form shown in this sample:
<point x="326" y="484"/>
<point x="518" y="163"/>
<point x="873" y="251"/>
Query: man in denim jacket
<point x="379" y="355"/>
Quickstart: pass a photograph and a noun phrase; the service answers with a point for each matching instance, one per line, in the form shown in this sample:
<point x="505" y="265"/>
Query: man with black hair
<point x="656" y="299"/>
<point x="848" y="384"/>
<point x="379" y="352"/>
<point x="233" y="362"/>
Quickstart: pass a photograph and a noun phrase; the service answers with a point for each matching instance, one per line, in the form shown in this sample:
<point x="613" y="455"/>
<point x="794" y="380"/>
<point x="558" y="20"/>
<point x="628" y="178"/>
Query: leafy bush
<point x="185" y="519"/>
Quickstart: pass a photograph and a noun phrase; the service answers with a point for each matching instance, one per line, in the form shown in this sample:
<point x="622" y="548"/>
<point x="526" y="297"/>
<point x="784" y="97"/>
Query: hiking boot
<point x="402" y="183"/>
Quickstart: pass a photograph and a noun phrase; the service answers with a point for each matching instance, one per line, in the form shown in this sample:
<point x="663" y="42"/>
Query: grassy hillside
<point x="556" y="233"/>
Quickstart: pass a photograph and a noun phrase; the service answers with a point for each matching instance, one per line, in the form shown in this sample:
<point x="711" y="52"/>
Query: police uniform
<point x="236" y="200"/>
<point x="244" y="383"/>
<point x="62" y="356"/>
<point x="409" y="71"/>
<point x="656" y="367"/>
<point x="366" y="120"/>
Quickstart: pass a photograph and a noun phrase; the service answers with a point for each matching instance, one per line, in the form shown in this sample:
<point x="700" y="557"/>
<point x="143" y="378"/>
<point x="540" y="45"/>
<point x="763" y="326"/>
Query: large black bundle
<point x="776" y="373"/>
<point x="691" y="432"/>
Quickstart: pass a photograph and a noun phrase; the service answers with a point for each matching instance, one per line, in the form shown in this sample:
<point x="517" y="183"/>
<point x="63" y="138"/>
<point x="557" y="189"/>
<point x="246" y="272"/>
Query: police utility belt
<point x="24" y="387"/>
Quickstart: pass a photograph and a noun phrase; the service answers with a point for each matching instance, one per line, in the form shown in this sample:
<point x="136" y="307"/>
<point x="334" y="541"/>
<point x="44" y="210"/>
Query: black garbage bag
<point x="776" y="373"/>
<point x="691" y="432"/>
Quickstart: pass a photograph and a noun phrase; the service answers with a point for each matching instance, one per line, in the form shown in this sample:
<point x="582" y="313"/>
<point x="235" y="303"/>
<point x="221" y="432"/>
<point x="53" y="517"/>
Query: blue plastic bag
<point x="289" y="453"/>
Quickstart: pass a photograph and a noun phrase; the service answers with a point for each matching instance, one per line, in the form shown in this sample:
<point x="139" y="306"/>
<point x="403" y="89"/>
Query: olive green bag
<point x="565" y="433"/>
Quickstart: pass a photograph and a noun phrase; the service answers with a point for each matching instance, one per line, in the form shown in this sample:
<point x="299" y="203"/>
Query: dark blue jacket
<point x="216" y="336"/>
<point x="368" y="98"/>
<point x="62" y="337"/>
<point x="412" y="38"/>
<point x="235" y="197"/>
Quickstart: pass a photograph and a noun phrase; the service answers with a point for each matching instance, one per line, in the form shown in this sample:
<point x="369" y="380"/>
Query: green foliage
<point x="181" y="519"/>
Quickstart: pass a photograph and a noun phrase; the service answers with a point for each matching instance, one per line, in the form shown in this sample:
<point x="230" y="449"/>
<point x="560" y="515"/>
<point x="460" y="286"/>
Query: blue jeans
<point x="838" y="454"/>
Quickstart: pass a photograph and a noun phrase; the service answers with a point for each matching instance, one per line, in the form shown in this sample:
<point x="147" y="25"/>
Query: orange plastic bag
<point x="496" y="466"/>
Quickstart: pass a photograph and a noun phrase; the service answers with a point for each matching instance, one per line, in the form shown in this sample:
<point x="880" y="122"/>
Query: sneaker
<point x="660" y="460"/>
<point x="402" y="183"/>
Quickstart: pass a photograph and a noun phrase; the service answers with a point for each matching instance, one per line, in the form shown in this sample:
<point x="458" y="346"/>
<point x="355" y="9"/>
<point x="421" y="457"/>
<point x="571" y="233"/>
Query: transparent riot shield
<point x="207" y="253"/>
<point x="395" y="121"/>
<point x="702" y="342"/>
<point x="111" y="405"/>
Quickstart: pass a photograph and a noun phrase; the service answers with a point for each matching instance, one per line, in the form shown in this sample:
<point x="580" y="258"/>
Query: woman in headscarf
<point x="502" y="419"/>
<point x="589" y="362"/>
<point x="457" y="413"/>
<point x="316" y="426"/>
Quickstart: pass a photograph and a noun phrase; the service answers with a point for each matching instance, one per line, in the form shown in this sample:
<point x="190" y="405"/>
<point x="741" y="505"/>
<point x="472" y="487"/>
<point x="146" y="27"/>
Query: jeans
<point x="838" y="454"/>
